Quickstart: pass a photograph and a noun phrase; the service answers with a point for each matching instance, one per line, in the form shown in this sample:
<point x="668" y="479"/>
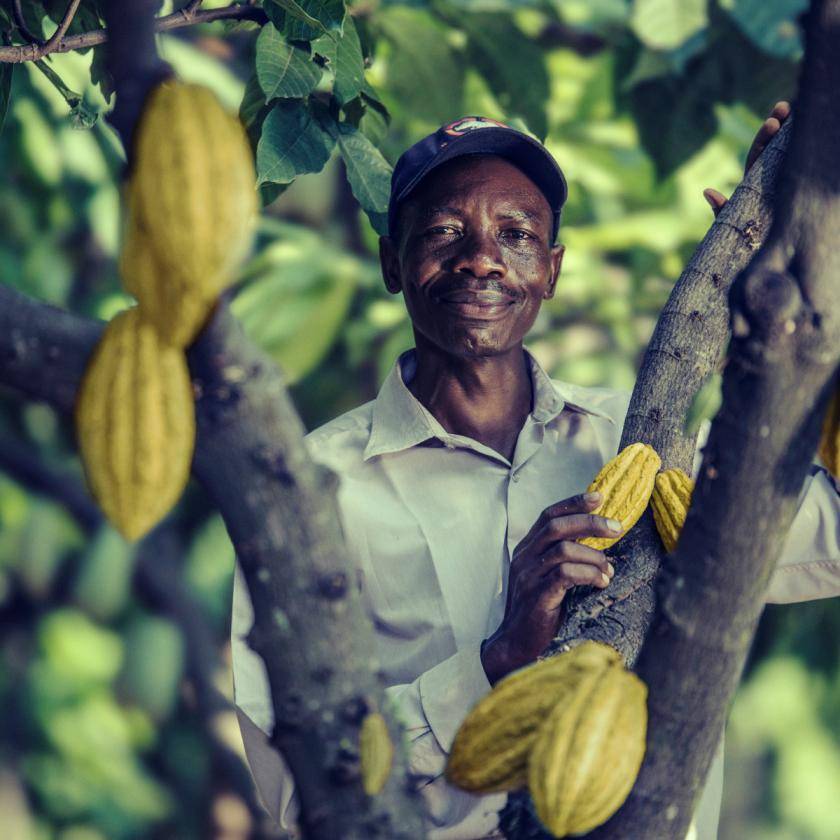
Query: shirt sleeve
<point x="430" y="708"/>
<point x="809" y="565"/>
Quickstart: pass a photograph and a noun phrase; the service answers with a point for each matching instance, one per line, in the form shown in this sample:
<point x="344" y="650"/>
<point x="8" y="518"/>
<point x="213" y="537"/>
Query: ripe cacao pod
<point x="490" y="750"/>
<point x="177" y="309"/>
<point x="829" y="450"/>
<point x="669" y="502"/>
<point x="135" y="423"/>
<point x="194" y="186"/>
<point x="376" y="752"/>
<point x="588" y="752"/>
<point x="625" y="483"/>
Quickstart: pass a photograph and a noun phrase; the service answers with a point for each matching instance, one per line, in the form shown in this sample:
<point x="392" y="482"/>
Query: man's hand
<point x="769" y="128"/>
<point x="545" y="565"/>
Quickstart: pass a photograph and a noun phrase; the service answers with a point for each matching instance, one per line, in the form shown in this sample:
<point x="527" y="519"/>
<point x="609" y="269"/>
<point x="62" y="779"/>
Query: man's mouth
<point x="476" y="304"/>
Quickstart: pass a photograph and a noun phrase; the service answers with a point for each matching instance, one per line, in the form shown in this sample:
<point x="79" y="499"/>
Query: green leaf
<point x="102" y="585"/>
<point x="770" y="26"/>
<point x="253" y="109"/>
<point x="512" y="64"/>
<point x="425" y="75"/>
<point x="291" y="144"/>
<point x="305" y="20"/>
<point x="345" y="60"/>
<point x="99" y="73"/>
<point x="284" y="71"/>
<point x="665" y="24"/>
<point x="297" y="302"/>
<point x="6" y="71"/>
<point x="705" y="405"/>
<point x="369" y="175"/>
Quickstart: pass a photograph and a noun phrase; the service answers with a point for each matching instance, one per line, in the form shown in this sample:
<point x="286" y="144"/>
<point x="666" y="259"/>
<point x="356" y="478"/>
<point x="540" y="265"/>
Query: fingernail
<point x="614" y="525"/>
<point x="709" y="199"/>
<point x="604" y="578"/>
<point x="592" y="497"/>
<point x="610" y="569"/>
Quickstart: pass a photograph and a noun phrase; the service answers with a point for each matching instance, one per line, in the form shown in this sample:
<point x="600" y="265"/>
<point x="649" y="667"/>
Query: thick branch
<point x="177" y="20"/>
<point x="280" y="510"/>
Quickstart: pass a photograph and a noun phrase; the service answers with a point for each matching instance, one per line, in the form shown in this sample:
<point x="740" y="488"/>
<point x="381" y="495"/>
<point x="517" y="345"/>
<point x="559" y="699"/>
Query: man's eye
<point x="442" y="230"/>
<point x="517" y="233"/>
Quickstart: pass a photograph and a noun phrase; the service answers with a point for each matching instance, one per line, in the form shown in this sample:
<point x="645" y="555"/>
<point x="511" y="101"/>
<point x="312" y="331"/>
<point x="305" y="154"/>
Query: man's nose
<point x="479" y="255"/>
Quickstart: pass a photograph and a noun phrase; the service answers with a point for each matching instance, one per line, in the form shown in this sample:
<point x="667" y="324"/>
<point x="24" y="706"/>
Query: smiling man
<point x="461" y="483"/>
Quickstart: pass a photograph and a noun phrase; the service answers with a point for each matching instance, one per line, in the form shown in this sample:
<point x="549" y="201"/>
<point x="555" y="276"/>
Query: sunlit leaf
<point x="283" y="70"/>
<point x="665" y="24"/>
<point x="771" y="26"/>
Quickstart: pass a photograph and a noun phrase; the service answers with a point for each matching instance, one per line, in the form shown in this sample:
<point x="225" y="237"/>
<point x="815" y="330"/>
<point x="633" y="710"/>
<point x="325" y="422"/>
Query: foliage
<point x="108" y="741"/>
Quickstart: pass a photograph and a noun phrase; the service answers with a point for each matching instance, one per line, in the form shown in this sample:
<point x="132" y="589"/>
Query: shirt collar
<point x="400" y="421"/>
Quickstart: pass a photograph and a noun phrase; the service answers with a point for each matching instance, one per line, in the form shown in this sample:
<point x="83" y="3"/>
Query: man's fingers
<point x="575" y="553"/>
<point x="564" y="577"/>
<point x="716" y="200"/>
<point x="573" y="527"/>
<point x="582" y="503"/>
<point x="769" y="128"/>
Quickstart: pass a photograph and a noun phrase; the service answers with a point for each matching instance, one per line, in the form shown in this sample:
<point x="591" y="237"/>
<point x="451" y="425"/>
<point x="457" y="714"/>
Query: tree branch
<point x="34" y="51"/>
<point x="59" y="33"/>
<point x="20" y="22"/>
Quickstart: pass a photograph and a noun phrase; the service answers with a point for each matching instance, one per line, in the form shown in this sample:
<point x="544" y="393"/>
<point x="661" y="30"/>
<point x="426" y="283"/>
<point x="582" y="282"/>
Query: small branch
<point x="59" y="33"/>
<point x="32" y="52"/>
<point x="20" y="22"/>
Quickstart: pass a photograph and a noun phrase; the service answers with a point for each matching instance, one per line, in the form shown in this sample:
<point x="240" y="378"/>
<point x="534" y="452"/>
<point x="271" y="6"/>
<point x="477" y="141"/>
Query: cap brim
<point x="528" y="154"/>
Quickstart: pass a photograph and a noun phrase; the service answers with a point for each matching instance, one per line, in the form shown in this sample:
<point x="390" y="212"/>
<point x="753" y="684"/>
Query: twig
<point x="20" y="22"/>
<point x="32" y="52"/>
<point x="59" y="33"/>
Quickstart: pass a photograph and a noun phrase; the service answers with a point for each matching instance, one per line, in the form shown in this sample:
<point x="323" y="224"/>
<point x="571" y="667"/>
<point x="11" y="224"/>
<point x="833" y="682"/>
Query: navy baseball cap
<point x="473" y="136"/>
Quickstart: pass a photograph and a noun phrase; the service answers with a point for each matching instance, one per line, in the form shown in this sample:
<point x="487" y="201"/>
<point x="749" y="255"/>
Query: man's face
<point x="475" y="258"/>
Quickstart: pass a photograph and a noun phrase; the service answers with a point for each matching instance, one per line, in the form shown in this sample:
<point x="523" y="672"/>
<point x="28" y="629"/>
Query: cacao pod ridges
<point x="490" y="750"/>
<point x="670" y="502"/>
<point x="588" y="752"/>
<point x="625" y="483"/>
<point x="135" y="424"/>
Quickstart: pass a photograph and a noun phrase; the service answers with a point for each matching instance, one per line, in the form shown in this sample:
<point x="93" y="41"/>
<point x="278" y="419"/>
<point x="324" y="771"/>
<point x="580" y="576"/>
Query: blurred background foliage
<point x="115" y="682"/>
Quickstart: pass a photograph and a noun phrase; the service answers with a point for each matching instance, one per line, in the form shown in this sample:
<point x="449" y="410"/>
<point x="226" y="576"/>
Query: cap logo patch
<point x="466" y="124"/>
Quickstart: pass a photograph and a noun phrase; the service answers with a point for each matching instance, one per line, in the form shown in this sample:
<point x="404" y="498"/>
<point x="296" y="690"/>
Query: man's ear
<point x="390" y="263"/>
<point x="557" y="252"/>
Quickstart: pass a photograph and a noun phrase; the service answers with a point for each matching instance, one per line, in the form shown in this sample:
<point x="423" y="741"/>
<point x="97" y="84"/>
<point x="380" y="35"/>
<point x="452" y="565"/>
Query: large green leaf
<point x="291" y="144"/>
<point x="283" y="70"/>
<point x="770" y="26"/>
<point x="425" y="74"/>
<point x="295" y="306"/>
<point x="665" y="24"/>
<point x="304" y="20"/>
<point x="6" y="71"/>
<point x="512" y="64"/>
<point x="345" y="60"/>
<point x="369" y="174"/>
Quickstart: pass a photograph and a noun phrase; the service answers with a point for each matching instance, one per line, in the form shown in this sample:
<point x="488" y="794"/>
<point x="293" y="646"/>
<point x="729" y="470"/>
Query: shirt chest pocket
<point x="399" y="584"/>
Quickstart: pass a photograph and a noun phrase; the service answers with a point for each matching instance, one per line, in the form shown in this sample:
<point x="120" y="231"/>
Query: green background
<point x="644" y="104"/>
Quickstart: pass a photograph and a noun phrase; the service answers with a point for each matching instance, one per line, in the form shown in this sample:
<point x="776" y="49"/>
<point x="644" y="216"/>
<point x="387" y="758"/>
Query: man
<point x="460" y="485"/>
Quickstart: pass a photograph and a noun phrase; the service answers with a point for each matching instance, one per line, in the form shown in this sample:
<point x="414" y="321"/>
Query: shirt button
<point x="514" y="477"/>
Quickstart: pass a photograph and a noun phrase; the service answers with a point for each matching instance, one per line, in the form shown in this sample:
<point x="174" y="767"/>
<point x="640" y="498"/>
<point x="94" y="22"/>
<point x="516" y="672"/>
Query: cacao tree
<point x="307" y="97"/>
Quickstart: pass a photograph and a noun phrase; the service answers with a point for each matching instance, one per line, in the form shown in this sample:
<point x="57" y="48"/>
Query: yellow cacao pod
<point x="669" y="502"/>
<point x="490" y="750"/>
<point x="177" y="309"/>
<point x="376" y="752"/>
<point x="829" y="450"/>
<point x="195" y="186"/>
<point x="625" y="483"/>
<point x="135" y="423"/>
<point x="587" y="753"/>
